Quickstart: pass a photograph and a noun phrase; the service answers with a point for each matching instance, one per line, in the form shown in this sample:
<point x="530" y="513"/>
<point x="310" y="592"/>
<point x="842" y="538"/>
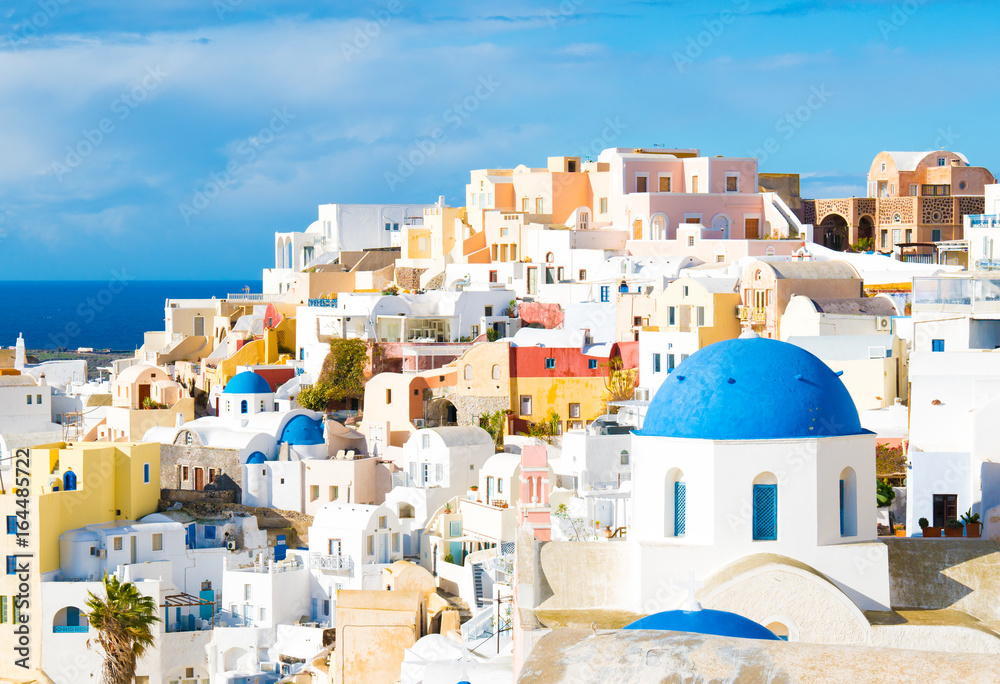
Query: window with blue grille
<point x="455" y="528"/>
<point x="69" y="481"/>
<point x="841" y="508"/>
<point x="11" y="524"/>
<point x="11" y="565"/>
<point x="243" y="406"/>
<point x="656" y="363"/>
<point x="937" y="345"/>
<point x="550" y="364"/>
<point x="605" y="293"/>
<point x="209" y="531"/>
<point x="765" y="512"/>
<point x="145" y="474"/>
<point x="592" y="364"/>
<point x="680" y="509"/>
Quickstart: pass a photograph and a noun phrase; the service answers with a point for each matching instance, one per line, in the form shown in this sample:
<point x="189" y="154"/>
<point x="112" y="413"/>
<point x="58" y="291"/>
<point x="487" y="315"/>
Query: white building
<point x="340" y="227"/>
<point x="752" y="463"/>
<point x="349" y="545"/>
<point x="25" y="415"/>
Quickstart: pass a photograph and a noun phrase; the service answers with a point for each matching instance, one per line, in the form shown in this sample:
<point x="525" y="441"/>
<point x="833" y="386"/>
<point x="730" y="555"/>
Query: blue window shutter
<point x="605" y="293"/>
<point x="69" y="481"/>
<point x="11" y="565"/>
<point x="209" y="531"/>
<point x="841" y="508"/>
<point x="145" y="474"/>
<point x="765" y="512"/>
<point x="11" y="524"/>
<point x="680" y="509"/>
<point x="937" y="345"/>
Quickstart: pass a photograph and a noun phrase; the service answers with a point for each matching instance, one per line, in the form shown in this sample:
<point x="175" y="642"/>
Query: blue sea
<point x="111" y="314"/>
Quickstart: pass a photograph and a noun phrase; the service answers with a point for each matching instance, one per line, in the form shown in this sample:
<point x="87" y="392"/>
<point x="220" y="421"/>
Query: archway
<point x="834" y="231"/>
<point x="659" y="226"/>
<point x="440" y="412"/>
<point x="866" y="230"/>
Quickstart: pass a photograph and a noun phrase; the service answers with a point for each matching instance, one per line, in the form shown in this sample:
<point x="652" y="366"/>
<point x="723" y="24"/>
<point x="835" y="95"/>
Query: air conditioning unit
<point x="418" y="422"/>
<point x="231" y="545"/>
<point x="883" y="323"/>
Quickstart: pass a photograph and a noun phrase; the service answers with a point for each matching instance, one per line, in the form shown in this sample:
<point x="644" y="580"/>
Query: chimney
<point x="19" y="353"/>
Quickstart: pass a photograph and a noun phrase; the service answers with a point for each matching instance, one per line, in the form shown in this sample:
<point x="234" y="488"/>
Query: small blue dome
<point x="715" y="622"/>
<point x="247" y="382"/>
<point x="302" y="430"/>
<point x="256" y="457"/>
<point x="752" y="389"/>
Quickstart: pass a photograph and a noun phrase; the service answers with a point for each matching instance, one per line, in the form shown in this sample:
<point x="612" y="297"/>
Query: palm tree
<point x="124" y="620"/>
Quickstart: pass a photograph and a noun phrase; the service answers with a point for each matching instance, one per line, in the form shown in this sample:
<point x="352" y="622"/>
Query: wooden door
<point x="143" y="394"/>
<point x="752" y="231"/>
<point x="199" y="479"/>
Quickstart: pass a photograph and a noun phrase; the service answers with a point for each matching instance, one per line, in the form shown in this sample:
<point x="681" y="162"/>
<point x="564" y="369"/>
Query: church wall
<point x="588" y="575"/>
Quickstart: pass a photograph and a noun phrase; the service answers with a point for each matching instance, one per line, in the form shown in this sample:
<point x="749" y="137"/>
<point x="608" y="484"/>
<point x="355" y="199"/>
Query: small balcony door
<point x="752" y="229"/>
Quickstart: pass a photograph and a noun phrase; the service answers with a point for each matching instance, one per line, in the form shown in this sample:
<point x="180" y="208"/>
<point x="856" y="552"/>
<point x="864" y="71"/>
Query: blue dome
<point x="302" y="430"/>
<point x="716" y="622"/>
<point x="256" y="457"/>
<point x="247" y="382"/>
<point x="752" y="389"/>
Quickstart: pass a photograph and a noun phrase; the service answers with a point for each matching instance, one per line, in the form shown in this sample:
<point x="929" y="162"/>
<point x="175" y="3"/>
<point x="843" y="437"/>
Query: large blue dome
<point x="247" y="382"/>
<point x="302" y="430"/>
<point x="705" y="621"/>
<point x="752" y="389"/>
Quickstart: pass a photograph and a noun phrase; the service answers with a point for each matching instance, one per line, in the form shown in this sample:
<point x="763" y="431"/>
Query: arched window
<point x="243" y="406"/>
<point x="69" y="481"/>
<point x="550" y="257"/>
<point x="765" y="507"/>
<point x="637" y="229"/>
<point x="848" y="503"/>
<point x="779" y="629"/>
<point x="468" y="371"/>
<point x="769" y="251"/>
<point x="624" y="457"/>
<point x="496" y="371"/>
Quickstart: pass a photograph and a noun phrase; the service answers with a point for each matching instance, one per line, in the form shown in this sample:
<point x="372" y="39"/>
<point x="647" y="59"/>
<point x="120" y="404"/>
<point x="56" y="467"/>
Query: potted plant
<point x="900" y="530"/>
<point x="973" y="528"/>
<point x="954" y="528"/>
<point x="927" y="530"/>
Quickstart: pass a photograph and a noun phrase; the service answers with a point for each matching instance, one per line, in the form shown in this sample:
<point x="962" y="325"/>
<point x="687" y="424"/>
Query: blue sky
<point x="177" y="136"/>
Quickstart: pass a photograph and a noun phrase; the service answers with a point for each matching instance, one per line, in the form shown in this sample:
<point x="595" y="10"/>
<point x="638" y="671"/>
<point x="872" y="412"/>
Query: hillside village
<point x="651" y="390"/>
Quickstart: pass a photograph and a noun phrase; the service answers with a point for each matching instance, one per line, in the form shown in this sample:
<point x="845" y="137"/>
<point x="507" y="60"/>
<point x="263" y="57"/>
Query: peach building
<point x="766" y="287"/>
<point x="913" y="197"/>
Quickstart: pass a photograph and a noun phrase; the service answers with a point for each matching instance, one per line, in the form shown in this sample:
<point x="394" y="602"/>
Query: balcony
<point x="70" y="629"/>
<point x="271" y="566"/>
<point x="330" y="303"/>
<point x="254" y="298"/>
<point x="754" y="314"/>
<point x="984" y="220"/>
<point x="329" y="562"/>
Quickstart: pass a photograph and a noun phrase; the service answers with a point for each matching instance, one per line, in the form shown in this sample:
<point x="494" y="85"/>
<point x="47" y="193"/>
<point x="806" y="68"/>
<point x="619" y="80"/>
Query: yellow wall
<point x="557" y="394"/>
<point x="721" y="318"/>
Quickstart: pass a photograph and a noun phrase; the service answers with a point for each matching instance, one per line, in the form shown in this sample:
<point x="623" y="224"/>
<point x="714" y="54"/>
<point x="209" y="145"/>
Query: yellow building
<point x="60" y="487"/>
<point x="275" y="347"/>
<point x="707" y="306"/>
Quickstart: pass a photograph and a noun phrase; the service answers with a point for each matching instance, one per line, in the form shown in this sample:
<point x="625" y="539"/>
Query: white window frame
<point x="669" y="175"/>
<point x="638" y="175"/>
<point x="732" y="174"/>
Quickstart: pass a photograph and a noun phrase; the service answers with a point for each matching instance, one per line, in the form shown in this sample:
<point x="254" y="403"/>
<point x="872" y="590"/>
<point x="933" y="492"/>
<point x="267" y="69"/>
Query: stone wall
<point x="470" y="408"/>
<point x="408" y="278"/>
<point x="582" y="657"/>
<point x="226" y="463"/>
<point x="960" y="573"/>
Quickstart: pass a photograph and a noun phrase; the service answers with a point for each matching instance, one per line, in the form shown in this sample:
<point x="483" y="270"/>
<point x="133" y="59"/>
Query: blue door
<point x="765" y="512"/>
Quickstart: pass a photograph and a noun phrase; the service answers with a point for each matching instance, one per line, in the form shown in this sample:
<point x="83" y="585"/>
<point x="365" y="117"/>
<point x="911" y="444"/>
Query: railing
<point x="331" y="303"/>
<point x="328" y="562"/>
<point x="254" y="297"/>
<point x="984" y="221"/>
<point x="755" y="314"/>
<point x="67" y="629"/>
<point x="917" y="258"/>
